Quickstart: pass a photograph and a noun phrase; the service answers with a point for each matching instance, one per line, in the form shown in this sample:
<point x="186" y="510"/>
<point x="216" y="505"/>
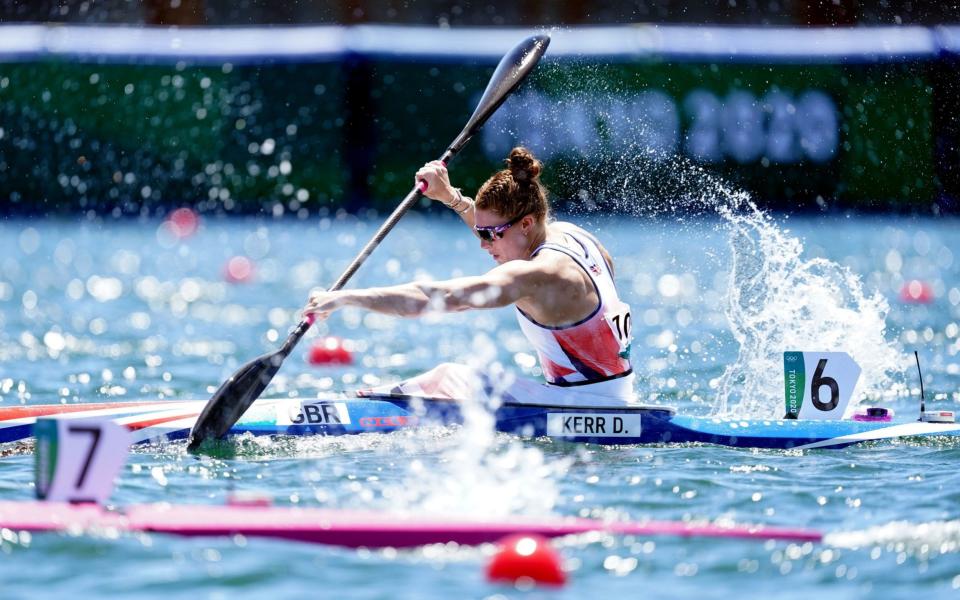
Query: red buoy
<point x="329" y="351"/>
<point x="916" y="292"/>
<point x="527" y="557"/>
<point x="183" y="222"/>
<point x="239" y="269"/>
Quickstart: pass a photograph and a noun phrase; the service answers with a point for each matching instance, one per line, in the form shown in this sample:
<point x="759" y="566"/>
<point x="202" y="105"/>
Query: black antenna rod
<point x="922" y="408"/>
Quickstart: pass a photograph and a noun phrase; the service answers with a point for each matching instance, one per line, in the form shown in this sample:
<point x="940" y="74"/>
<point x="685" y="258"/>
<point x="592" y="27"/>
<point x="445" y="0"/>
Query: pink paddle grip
<point x="422" y="185"/>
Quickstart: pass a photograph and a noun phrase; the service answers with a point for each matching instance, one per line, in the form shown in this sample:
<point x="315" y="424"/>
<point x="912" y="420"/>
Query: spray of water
<point x="611" y="147"/>
<point x="778" y="299"/>
<point x="478" y="473"/>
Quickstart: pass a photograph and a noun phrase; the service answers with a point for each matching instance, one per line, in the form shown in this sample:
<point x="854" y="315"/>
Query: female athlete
<point x="558" y="277"/>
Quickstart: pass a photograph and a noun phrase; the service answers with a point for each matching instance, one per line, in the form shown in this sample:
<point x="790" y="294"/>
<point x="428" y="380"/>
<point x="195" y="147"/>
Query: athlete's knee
<point x="447" y="369"/>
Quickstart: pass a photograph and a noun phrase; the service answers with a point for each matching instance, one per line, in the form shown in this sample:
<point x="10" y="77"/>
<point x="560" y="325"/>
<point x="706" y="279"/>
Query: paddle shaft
<point x="510" y="72"/>
<point x="415" y="194"/>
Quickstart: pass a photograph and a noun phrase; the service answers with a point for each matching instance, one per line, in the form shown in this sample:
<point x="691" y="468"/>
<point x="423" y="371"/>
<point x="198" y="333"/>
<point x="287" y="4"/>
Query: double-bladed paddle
<point x="235" y="396"/>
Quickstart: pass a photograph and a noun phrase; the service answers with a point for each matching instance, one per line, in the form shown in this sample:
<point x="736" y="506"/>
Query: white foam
<point x="779" y="300"/>
<point x="478" y="472"/>
<point x="776" y="299"/>
<point x="941" y="537"/>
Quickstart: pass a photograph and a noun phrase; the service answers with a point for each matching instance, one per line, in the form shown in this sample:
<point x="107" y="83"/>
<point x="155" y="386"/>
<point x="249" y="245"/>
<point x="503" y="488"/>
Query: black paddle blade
<point x="510" y="73"/>
<point x="234" y="398"/>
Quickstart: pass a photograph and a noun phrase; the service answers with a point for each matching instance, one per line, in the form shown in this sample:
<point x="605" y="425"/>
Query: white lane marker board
<point x="818" y="385"/>
<point x="77" y="460"/>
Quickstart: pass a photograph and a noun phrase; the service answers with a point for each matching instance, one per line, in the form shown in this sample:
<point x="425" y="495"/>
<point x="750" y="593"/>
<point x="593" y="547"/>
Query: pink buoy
<point x="239" y="269"/>
<point x="329" y="351"/>
<point x="183" y="222"/>
<point x="526" y="557"/>
<point x="916" y="292"/>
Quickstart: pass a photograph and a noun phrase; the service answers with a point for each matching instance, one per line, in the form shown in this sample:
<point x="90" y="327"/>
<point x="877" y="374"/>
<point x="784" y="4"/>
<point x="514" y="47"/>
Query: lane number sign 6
<point x="818" y="385"/>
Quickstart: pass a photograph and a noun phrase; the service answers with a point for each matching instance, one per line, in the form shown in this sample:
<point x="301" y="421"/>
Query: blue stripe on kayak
<point x="660" y="426"/>
<point x="388" y="413"/>
<point x="16" y="432"/>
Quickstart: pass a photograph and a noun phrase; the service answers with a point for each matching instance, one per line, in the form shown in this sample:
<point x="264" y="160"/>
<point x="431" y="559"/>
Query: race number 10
<point x="78" y="459"/>
<point x="818" y="385"/>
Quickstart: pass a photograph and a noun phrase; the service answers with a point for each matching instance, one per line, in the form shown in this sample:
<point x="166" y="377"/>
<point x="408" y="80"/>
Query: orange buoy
<point x="916" y="292"/>
<point x="239" y="269"/>
<point x="329" y="351"/>
<point x="526" y="557"/>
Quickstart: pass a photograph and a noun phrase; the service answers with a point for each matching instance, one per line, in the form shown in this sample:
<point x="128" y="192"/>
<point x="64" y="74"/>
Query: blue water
<point x="96" y="310"/>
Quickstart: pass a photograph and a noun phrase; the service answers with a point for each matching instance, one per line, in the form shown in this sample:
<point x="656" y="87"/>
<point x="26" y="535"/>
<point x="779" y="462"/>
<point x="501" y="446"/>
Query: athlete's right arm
<point x="435" y="175"/>
<point x="501" y="286"/>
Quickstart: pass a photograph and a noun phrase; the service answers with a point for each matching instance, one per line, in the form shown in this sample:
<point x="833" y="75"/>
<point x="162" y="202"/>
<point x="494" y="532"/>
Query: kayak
<point x="384" y="413"/>
<point x="352" y="529"/>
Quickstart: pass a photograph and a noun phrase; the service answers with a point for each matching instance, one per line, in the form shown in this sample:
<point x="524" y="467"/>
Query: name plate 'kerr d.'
<point x="593" y="424"/>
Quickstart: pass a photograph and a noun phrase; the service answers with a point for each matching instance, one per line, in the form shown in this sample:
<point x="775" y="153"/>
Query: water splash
<point x="777" y="299"/>
<point x="609" y="155"/>
<point x="506" y="478"/>
<point x="481" y="473"/>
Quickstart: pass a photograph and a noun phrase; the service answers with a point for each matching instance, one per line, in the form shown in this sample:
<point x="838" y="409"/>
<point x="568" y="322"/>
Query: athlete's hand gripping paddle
<point x="236" y="394"/>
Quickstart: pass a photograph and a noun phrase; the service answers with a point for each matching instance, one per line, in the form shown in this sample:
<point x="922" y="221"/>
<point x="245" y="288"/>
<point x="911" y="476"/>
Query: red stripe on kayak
<point x="44" y="410"/>
<point x="137" y="425"/>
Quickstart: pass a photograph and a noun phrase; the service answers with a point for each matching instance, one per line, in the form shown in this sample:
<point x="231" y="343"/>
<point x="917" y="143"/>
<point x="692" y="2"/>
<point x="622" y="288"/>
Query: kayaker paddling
<point x="558" y="277"/>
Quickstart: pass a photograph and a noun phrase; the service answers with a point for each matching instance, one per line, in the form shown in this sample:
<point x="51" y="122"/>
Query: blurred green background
<point x="293" y="136"/>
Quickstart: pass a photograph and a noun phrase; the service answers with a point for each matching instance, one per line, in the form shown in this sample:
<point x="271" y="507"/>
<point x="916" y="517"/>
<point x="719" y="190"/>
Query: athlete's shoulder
<point x="567" y="227"/>
<point x="543" y="264"/>
<point x="550" y="263"/>
<point x="523" y="278"/>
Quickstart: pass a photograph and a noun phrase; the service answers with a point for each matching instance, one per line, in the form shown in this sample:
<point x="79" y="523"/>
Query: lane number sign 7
<point x="77" y="460"/>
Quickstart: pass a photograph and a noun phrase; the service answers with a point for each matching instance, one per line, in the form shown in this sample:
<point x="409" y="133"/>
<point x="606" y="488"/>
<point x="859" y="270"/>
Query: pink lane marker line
<point x="349" y="529"/>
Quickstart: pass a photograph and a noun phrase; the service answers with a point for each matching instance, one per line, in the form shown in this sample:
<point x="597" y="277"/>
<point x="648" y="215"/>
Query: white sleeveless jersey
<point x="598" y="347"/>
